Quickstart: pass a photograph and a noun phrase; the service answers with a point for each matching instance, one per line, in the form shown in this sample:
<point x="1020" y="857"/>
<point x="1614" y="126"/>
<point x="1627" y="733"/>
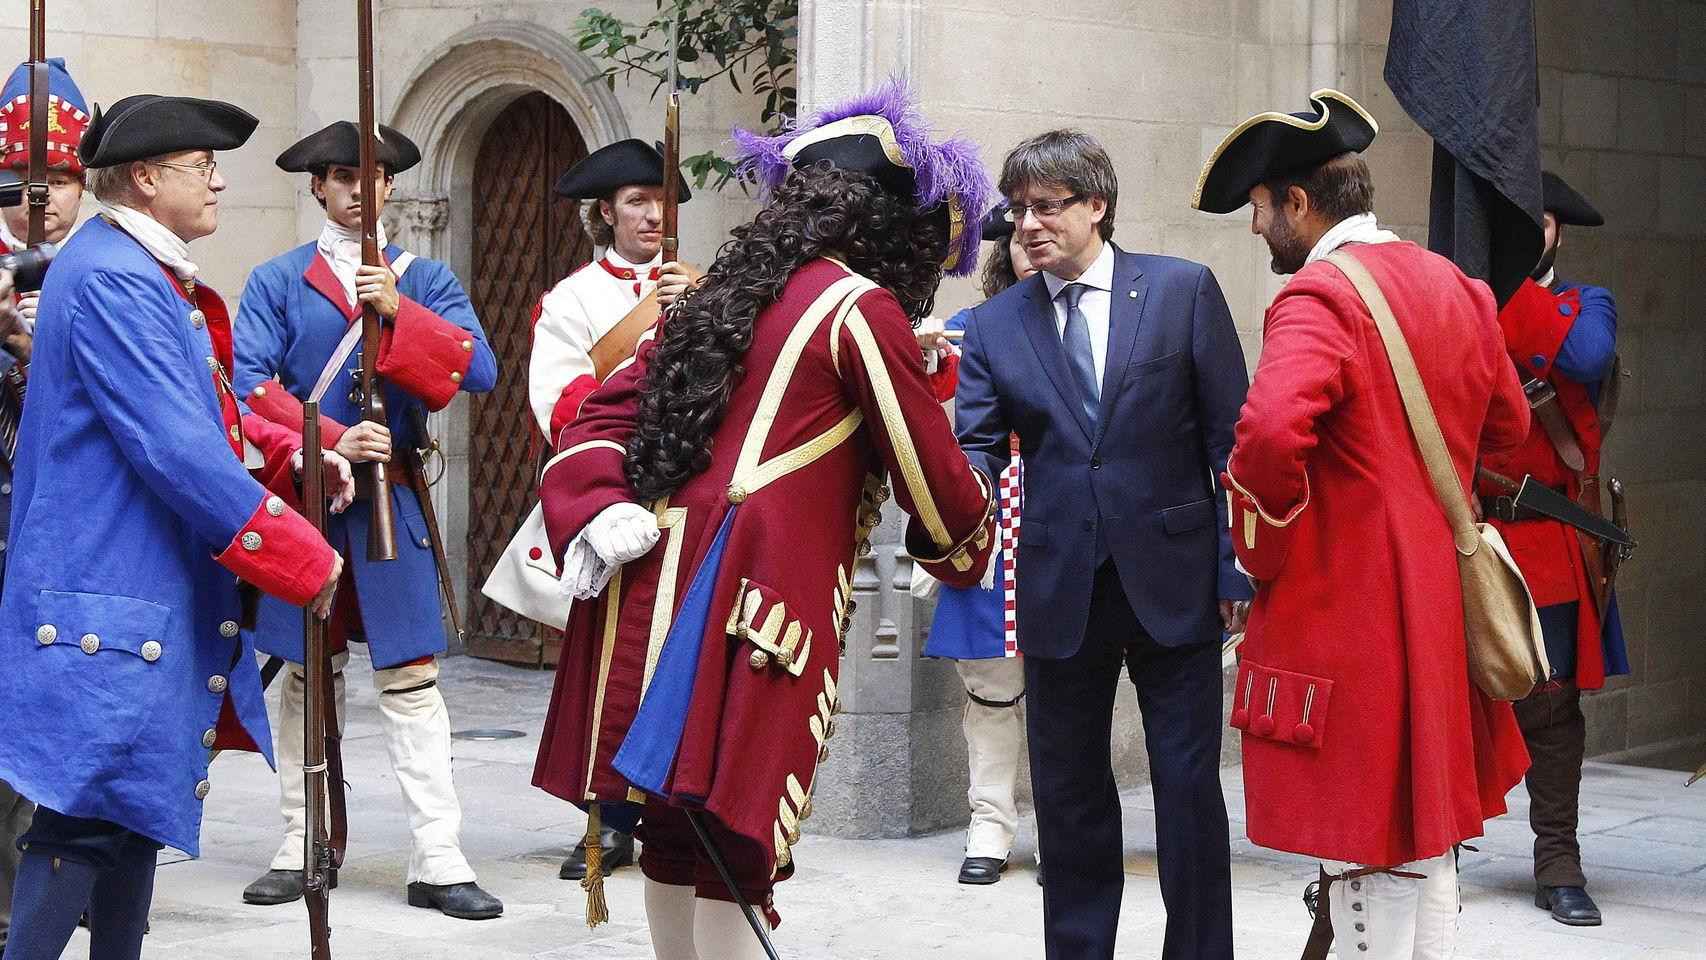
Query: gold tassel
<point x="597" y="910"/>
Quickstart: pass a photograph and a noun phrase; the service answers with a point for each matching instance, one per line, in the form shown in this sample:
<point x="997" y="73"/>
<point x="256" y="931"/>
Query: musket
<point x="381" y="528"/>
<point x="39" y="92"/>
<point x="619" y="343"/>
<point x="318" y="869"/>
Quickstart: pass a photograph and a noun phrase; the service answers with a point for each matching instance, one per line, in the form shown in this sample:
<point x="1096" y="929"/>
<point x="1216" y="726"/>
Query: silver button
<point x="228" y="629"/>
<point x="202" y="789"/>
<point x="216" y="684"/>
<point x="5" y="489"/>
<point x="209" y="737"/>
<point x="46" y="634"/>
<point x="275" y="507"/>
<point x="1356" y="884"/>
<point x="151" y="651"/>
<point x="251" y="541"/>
<point x="90" y="643"/>
<point x="198" y="319"/>
<point x="425" y="542"/>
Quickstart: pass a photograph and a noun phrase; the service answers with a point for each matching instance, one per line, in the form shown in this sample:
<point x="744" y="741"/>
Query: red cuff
<point x="570" y="506"/>
<point x="961" y="565"/>
<point x="1535" y="322"/>
<point x="569" y="404"/>
<point x="271" y="401"/>
<point x="280" y="552"/>
<point x="425" y="354"/>
<point x="946" y="378"/>
<point x="1260" y="539"/>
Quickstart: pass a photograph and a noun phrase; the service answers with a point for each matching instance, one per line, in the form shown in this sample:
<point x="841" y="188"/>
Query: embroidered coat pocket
<point x="761" y="617"/>
<point x="1281" y="705"/>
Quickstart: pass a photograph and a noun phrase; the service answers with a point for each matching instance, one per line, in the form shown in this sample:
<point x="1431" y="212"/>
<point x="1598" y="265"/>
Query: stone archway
<point x="448" y="105"/>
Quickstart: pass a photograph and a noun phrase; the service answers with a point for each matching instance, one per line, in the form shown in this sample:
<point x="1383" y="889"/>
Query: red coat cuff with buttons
<point x="425" y="354"/>
<point x="271" y="401"/>
<point x="569" y="403"/>
<point x="1260" y="539"/>
<point x="961" y="565"/>
<point x="1535" y="322"/>
<point x="280" y="552"/>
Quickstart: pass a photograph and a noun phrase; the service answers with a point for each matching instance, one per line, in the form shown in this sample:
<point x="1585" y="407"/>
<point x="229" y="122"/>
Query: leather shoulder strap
<point x="1416" y="404"/>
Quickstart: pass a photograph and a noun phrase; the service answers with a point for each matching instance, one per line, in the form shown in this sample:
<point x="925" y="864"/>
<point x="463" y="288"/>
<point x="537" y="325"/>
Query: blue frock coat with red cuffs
<point x="132" y="511"/>
<point x="294" y="312"/>
<point x="1364" y="740"/>
<point x="705" y="674"/>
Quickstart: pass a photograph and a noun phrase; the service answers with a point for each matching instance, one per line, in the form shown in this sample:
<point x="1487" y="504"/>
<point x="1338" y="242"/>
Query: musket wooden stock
<point x="381" y="529"/>
<point x="317" y="875"/>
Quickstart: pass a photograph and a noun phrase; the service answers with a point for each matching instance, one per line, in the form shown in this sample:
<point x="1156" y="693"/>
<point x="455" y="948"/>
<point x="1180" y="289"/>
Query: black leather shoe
<point x="1569" y="905"/>
<point x="981" y="870"/>
<point x="275" y="887"/>
<point x="618" y="852"/>
<point x="464" y="901"/>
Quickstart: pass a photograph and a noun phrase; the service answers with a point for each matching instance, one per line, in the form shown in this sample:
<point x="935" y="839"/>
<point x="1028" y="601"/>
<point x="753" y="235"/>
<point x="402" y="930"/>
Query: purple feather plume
<point x="950" y="169"/>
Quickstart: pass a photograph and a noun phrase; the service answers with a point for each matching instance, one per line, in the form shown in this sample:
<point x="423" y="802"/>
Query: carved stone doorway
<point x="526" y="238"/>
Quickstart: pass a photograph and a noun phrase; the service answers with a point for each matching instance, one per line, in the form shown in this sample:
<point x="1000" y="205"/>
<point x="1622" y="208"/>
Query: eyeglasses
<point x="1044" y="209"/>
<point x="205" y="168"/>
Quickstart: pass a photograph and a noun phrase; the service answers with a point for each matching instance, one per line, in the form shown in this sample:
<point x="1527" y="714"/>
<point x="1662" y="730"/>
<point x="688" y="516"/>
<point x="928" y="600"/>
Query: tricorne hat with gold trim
<point x="1273" y="144"/>
<point x="67" y="118"/>
<point x="881" y="134"/>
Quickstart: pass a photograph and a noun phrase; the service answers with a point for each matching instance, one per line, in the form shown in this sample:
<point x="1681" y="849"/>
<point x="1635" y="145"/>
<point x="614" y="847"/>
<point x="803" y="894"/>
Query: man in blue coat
<point x="1122" y="376"/>
<point x="120" y="647"/>
<point x="298" y="334"/>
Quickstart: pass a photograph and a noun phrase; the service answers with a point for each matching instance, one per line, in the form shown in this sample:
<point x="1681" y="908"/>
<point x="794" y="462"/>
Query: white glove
<point x="987" y="582"/>
<point x="924" y="586"/>
<point x="340" y="480"/>
<point x="584" y="574"/>
<point x="28" y="304"/>
<point x="622" y="532"/>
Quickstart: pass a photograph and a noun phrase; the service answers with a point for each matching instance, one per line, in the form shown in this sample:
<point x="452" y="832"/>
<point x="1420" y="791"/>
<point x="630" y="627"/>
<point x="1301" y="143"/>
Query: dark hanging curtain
<point x="1466" y="71"/>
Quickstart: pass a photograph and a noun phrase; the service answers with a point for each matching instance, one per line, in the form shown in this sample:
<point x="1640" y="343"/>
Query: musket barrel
<point x="381" y="530"/>
<point x="316" y="851"/>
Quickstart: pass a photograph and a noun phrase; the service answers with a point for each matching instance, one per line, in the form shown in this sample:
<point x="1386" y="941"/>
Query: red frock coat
<point x="827" y="406"/>
<point x="1363" y="738"/>
<point x="1549" y="553"/>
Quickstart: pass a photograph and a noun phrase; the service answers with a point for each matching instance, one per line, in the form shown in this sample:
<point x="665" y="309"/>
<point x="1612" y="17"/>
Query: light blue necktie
<point x="1076" y="339"/>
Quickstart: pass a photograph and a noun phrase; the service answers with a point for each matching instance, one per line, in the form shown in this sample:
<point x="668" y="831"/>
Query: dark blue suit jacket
<point x="1142" y="488"/>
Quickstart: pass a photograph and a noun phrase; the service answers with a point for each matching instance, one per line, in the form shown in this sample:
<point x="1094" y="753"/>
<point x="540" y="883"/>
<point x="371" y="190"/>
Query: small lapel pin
<point x="1132" y="294"/>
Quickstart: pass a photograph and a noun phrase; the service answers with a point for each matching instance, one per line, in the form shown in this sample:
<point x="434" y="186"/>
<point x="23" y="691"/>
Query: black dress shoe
<point x="1569" y="905"/>
<point x="618" y="852"/>
<point x="275" y="887"/>
<point x="981" y="870"/>
<point x="464" y="901"/>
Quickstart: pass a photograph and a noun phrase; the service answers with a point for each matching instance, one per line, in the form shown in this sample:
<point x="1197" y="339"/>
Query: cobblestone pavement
<point x="1644" y="838"/>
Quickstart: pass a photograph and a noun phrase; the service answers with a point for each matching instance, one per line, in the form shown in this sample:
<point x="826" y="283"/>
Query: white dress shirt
<point x="1095" y="303"/>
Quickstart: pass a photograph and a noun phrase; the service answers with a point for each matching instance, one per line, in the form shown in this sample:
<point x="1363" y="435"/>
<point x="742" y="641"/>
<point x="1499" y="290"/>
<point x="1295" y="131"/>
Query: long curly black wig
<point x="697" y="363"/>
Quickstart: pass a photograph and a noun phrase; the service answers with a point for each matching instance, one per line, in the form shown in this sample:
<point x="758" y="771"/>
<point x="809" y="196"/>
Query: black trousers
<point x="1070" y="722"/>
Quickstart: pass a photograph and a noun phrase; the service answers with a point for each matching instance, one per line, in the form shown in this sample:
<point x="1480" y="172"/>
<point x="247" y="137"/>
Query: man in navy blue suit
<point x="1124" y="402"/>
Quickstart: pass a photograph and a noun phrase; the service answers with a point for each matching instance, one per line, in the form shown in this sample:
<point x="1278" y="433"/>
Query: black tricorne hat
<point x="339" y="144"/>
<point x="621" y="164"/>
<point x="996" y="226"/>
<point x="149" y="125"/>
<point x="1564" y="203"/>
<point x="1272" y="144"/>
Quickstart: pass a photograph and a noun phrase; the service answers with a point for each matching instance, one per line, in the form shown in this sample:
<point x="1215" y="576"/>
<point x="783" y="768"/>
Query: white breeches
<point x="1383" y="917"/>
<point x="684" y="927"/>
<point x="416" y="727"/>
<point x="994" y="738"/>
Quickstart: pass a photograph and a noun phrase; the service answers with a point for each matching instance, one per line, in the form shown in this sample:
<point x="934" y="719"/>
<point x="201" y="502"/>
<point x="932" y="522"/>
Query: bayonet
<point x="39" y="91"/>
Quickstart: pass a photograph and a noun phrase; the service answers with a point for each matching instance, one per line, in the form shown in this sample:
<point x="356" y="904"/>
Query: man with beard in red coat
<point x="1365" y="745"/>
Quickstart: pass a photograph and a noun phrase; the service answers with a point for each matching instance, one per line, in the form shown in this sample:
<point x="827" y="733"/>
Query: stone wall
<point x="243" y="51"/>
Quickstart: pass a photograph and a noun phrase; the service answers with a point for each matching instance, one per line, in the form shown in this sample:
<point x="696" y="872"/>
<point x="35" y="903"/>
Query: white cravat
<point x="1095" y="303"/>
<point x="165" y="246"/>
<point x="1361" y="228"/>
<point x="1550" y="278"/>
<point x="341" y="247"/>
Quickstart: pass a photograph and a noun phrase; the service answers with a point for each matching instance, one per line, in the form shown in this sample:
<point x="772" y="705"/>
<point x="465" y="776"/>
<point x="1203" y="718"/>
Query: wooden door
<point x="526" y="238"/>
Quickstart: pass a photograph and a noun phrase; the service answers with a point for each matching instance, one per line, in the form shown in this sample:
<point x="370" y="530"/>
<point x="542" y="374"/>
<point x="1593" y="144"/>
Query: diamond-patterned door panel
<point x="526" y="238"/>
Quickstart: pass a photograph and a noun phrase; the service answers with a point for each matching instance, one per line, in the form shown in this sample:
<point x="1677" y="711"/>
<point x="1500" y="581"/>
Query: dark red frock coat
<point x="1363" y="739"/>
<point x="854" y="407"/>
